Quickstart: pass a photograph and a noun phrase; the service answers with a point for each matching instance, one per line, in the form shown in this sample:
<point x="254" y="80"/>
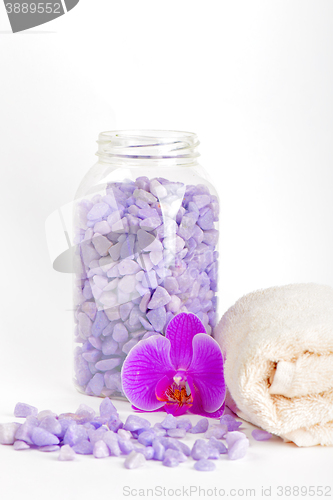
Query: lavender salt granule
<point x="21" y="445"/>
<point x="176" y="433"/>
<point x="8" y="432"/>
<point x="230" y="422"/>
<point x="178" y="455"/>
<point x="49" y="448"/>
<point x="237" y="445"/>
<point x="22" y="410"/>
<point x="200" y="426"/>
<point x="134" y="460"/>
<point x="159" y="450"/>
<point x="125" y="446"/>
<point x="261" y="435"/>
<point x="148" y="451"/>
<point x="112" y="441"/>
<point x="134" y="423"/>
<point x="101" y="449"/>
<point x="107" y="408"/>
<point x="146" y="438"/>
<point x="204" y="465"/>
<point x="66" y="453"/>
<point x="84" y="447"/>
<point x="170" y="422"/>
<point x="42" y="437"/>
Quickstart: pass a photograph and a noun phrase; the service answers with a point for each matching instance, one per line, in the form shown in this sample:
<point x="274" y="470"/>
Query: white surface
<point x="253" y="80"/>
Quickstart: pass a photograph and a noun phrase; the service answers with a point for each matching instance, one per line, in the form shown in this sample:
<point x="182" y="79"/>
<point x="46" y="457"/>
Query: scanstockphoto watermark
<point x="187" y="492"/>
<point x="217" y="492"/>
<point x="26" y="14"/>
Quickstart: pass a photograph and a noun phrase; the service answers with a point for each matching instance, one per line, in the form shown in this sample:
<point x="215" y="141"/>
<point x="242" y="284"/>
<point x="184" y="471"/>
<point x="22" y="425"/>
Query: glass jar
<point x="145" y="234"/>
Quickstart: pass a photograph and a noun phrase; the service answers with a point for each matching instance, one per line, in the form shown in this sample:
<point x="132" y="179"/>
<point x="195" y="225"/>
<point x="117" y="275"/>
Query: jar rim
<point x="144" y="144"/>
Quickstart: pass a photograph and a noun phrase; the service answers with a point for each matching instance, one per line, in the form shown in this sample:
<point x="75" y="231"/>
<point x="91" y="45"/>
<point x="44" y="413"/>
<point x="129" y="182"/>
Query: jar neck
<point x="151" y="147"/>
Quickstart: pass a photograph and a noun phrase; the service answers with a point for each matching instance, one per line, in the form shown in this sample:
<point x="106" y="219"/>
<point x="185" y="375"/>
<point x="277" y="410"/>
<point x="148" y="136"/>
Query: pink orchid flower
<point x="179" y="372"/>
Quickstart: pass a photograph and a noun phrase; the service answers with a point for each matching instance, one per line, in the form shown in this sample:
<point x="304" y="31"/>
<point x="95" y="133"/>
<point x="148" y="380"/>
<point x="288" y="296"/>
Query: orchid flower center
<point x="179" y="391"/>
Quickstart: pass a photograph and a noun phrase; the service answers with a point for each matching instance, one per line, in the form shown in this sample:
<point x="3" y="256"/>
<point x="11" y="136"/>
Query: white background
<point x="254" y="80"/>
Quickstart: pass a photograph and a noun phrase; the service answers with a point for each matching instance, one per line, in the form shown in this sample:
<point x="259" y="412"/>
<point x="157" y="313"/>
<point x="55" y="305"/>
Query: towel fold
<point x="278" y="351"/>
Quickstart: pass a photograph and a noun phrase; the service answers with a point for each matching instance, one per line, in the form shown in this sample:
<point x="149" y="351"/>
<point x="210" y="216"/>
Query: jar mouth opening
<point x="144" y="144"/>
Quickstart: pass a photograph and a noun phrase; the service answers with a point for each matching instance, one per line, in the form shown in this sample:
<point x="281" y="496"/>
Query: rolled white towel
<point x="278" y="350"/>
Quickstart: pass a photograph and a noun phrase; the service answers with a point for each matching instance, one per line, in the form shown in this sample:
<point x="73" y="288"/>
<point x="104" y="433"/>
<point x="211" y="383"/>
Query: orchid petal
<point x="176" y="410"/>
<point x="161" y="387"/>
<point x="134" y="408"/>
<point x="180" y="331"/>
<point x="206" y="373"/>
<point x="146" y="363"/>
<point x="197" y="406"/>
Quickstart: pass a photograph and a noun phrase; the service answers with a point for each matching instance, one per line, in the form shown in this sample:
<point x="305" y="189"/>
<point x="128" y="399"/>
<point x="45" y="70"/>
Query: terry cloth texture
<point x="278" y="351"/>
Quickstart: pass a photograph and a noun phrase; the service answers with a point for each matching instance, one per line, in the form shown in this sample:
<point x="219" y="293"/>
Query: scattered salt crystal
<point x="8" y="432"/>
<point x="22" y="410"/>
<point x="200" y="426"/>
<point x="204" y="465"/>
<point x="101" y="449"/>
<point x="237" y="445"/>
<point x="66" y="453"/>
<point x="21" y="445"/>
<point x="134" y="460"/>
<point x="261" y="435"/>
<point x="170" y="422"/>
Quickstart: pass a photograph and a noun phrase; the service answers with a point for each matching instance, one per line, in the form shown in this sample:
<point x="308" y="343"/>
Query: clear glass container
<point x="145" y="234"/>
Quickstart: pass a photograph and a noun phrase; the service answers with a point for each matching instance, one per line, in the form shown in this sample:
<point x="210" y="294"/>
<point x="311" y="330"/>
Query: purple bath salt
<point x="111" y="439"/>
<point x="49" y="448"/>
<point x="74" y="434"/>
<point x="134" y="460"/>
<point x="201" y="449"/>
<point x="146" y="437"/>
<point x="217" y="443"/>
<point x="200" y="426"/>
<point x="176" y="433"/>
<point x="125" y="446"/>
<point x="52" y="425"/>
<point x="134" y="423"/>
<point x="261" y="435"/>
<point x="159" y="450"/>
<point x="146" y="251"/>
<point x="177" y="454"/>
<point x="42" y="437"/>
<point x="101" y="449"/>
<point x="107" y="408"/>
<point x="83" y="447"/>
<point x="95" y="435"/>
<point x="9" y="432"/>
<point x="22" y="410"/>
<point x="96" y="384"/>
<point x="184" y="423"/>
<point x="66" y="453"/>
<point x="170" y="422"/>
<point x="230" y="422"/>
<point x="217" y="431"/>
<point x="21" y="445"/>
<point x="177" y="445"/>
<point x="114" y="423"/>
<point x="237" y="445"/>
<point x="204" y="465"/>
<point x="159" y="430"/>
<point x="147" y="451"/>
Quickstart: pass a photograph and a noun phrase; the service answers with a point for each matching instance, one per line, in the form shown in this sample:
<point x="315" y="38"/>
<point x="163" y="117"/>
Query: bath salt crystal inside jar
<point x="146" y="235"/>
